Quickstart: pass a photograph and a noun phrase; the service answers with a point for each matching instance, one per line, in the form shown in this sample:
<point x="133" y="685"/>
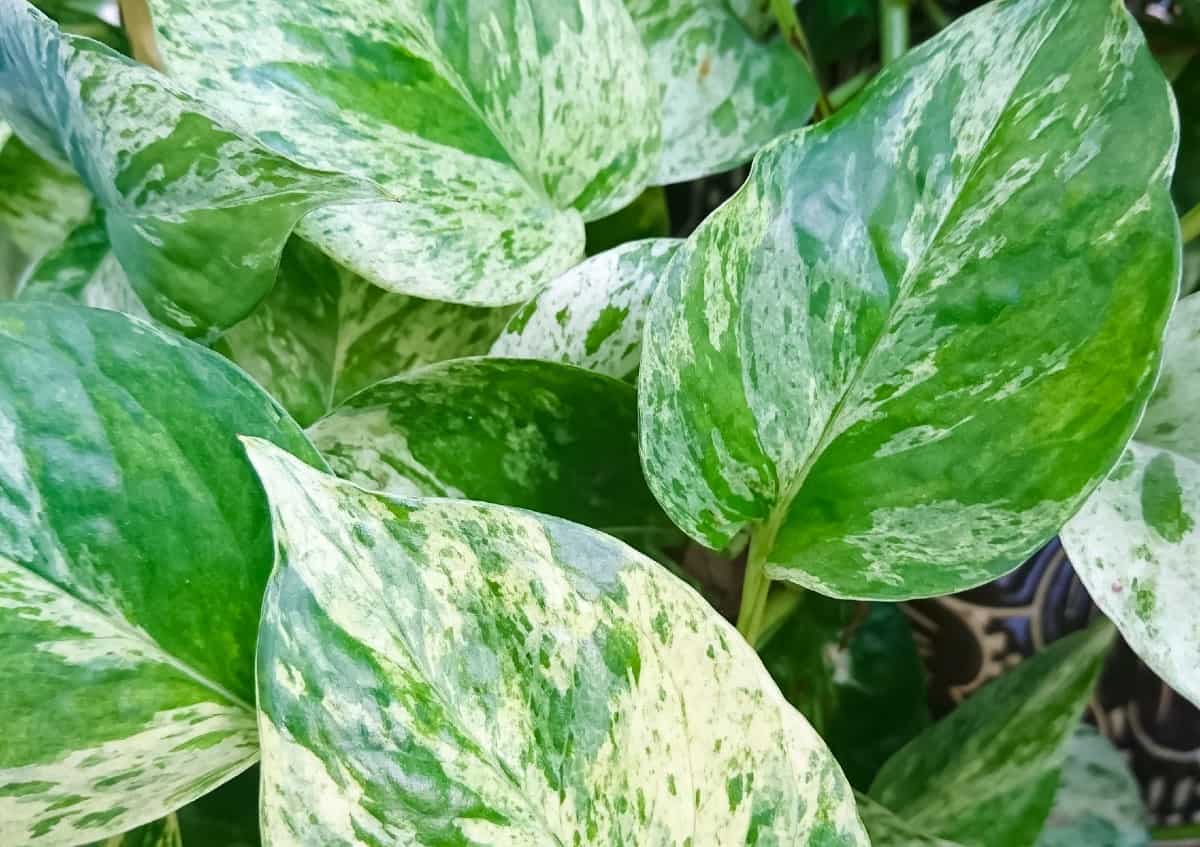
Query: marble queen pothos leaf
<point x="871" y="358"/>
<point x="519" y="120"/>
<point x="724" y="94"/>
<point x="592" y="315"/>
<point x="521" y="679"/>
<point x="173" y="182"/>
<point x="1136" y="543"/>
<point x="324" y="333"/>
<point x="539" y="435"/>
<point x="135" y="544"/>
<point x="985" y="776"/>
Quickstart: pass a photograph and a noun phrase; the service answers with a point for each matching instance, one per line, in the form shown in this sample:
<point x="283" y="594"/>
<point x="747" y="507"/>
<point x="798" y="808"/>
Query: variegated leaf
<point x="724" y="95"/>
<point x="135" y="545"/>
<point x="39" y="205"/>
<point x="890" y="830"/>
<point x="985" y="776"/>
<point x="324" y="333"/>
<point x="163" y="832"/>
<point x="447" y="672"/>
<point x="592" y="316"/>
<point x="869" y="355"/>
<point x="1099" y="803"/>
<point x="1136" y="543"/>
<point x="517" y="119"/>
<point x="538" y="435"/>
<point x="83" y="270"/>
<point x="755" y="15"/>
<point x="173" y="182"/>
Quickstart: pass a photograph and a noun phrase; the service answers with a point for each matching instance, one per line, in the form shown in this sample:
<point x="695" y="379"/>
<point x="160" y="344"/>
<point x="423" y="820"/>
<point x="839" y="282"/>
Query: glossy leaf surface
<point x="592" y="316"/>
<point x="504" y="666"/>
<point x="985" y="775"/>
<point x="871" y="356"/>
<point x="724" y="94"/>
<point x="135" y="544"/>
<point x="1099" y="802"/>
<point x="172" y="180"/>
<point x="518" y="118"/>
<point x="538" y="435"/>
<point x="1136" y="543"/>
<point x="324" y="333"/>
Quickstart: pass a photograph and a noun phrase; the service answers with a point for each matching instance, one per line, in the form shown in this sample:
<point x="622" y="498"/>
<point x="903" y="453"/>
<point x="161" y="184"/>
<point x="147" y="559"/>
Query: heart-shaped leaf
<point x="985" y="776"/>
<point x="324" y="333"/>
<point x="1136" y="542"/>
<point x="592" y="315"/>
<point x="135" y="545"/>
<point x="538" y="435"/>
<point x="171" y="179"/>
<point x="724" y="95"/>
<point x="446" y="672"/>
<point x="517" y="120"/>
<point x="870" y="355"/>
<point x="1099" y="802"/>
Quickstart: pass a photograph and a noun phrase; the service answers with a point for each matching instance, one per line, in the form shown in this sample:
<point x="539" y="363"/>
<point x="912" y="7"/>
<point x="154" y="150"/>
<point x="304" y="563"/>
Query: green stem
<point x="1190" y="224"/>
<point x="936" y="14"/>
<point x="780" y="604"/>
<point x="1176" y="833"/>
<point x="793" y="33"/>
<point x="756" y="586"/>
<point x="841" y="95"/>
<point x="893" y="29"/>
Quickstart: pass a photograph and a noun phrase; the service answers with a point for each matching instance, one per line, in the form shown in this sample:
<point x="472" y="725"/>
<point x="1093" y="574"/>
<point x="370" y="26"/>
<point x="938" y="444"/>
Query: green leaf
<point x="538" y="435"/>
<point x="872" y="359"/>
<point x="724" y="95"/>
<point x="1135" y="544"/>
<point x="324" y="333"/>
<point x="837" y="29"/>
<point x="592" y="316"/>
<point x="985" y="775"/>
<point x="889" y="830"/>
<point x="854" y="672"/>
<point x="135" y="544"/>
<point x="93" y="18"/>
<point x="39" y="206"/>
<point x="517" y="120"/>
<point x="755" y="15"/>
<point x="518" y="680"/>
<point x="83" y="270"/>
<point x="173" y="182"/>
<point x="1098" y="803"/>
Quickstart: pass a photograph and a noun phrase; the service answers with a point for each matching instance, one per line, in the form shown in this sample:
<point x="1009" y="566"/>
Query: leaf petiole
<point x="893" y="29"/>
<point x="793" y="32"/>
<point x="1189" y="224"/>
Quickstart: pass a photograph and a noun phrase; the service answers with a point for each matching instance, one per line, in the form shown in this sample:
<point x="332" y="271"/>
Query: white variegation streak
<point x="1136" y="542"/>
<point x="324" y="333"/>
<point x="592" y="315"/>
<point x="827" y="338"/>
<point x="394" y="620"/>
<point x="487" y="191"/>
<point x="120" y="774"/>
<point x="40" y="203"/>
<point x="165" y="170"/>
<point x="724" y="94"/>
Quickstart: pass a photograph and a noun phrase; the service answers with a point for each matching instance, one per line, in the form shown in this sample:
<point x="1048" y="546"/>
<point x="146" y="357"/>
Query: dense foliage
<point x="326" y="453"/>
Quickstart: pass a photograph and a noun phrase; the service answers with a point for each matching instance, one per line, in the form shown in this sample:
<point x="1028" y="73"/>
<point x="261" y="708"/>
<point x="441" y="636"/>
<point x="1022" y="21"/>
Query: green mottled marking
<point x="1162" y="499"/>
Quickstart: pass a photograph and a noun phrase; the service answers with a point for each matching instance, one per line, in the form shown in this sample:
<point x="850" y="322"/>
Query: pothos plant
<point x="323" y="448"/>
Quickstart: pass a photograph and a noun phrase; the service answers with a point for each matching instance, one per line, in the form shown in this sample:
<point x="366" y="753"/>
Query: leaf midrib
<point x="831" y="431"/>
